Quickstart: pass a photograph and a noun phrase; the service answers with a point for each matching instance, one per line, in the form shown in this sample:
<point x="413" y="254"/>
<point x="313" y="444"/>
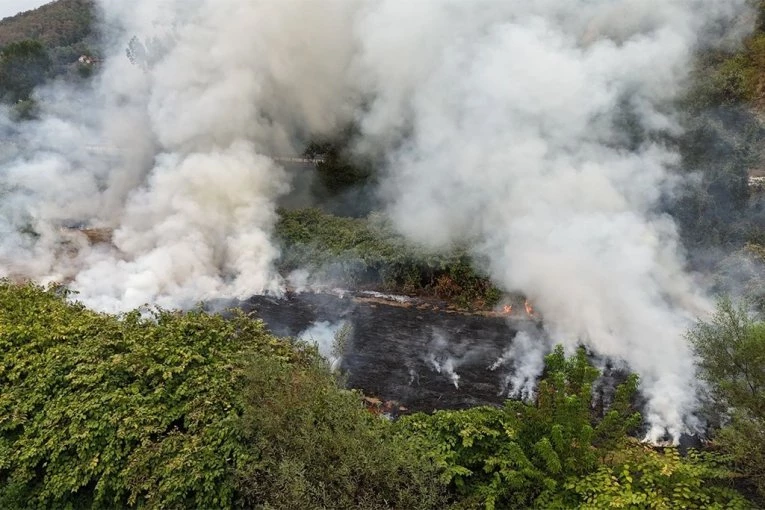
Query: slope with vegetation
<point x="189" y="410"/>
<point x="731" y="352"/>
<point x="56" y="24"/>
<point x="172" y="410"/>
<point x="43" y="43"/>
<point x="361" y="252"/>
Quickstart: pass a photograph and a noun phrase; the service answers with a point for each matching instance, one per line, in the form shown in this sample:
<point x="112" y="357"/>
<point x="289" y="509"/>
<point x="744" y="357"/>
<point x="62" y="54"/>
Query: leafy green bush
<point x="556" y="453"/>
<point x="103" y="411"/>
<point x="23" y="66"/>
<point x="520" y="455"/>
<point x="638" y="476"/>
<point x="322" y="449"/>
<point x="357" y="252"/>
<point x="182" y="410"/>
<point x="337" y="172"/>
<point x="731" y="353"/>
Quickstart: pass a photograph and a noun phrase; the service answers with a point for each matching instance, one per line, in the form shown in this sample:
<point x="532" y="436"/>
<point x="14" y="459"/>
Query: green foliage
<point x="321" y="449"/>
<point x="720" y="145"/>
<point x="171" y="410"/>
<point x="23" y="66"/>
<point x="725" y="78"/>
<point x="338" y="172"/>
<point x="25" y="110"/>
<point x="55" y="24"/>
<point x="101" y="411"/>
<point x="520" y="455"/>
<point x="43" y="43"/>
<point x="731" y="351"/>
<point x="638" y="476"/>
<point x="556" y="454"/>
<point x="357" y="252"/>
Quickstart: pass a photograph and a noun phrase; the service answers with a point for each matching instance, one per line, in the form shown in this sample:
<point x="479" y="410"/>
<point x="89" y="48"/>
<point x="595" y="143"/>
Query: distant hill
<point x="56" y="24"/>
<point x="64" y="27"/>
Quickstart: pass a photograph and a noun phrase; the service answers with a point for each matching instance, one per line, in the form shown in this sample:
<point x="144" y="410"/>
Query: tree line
<point x="165" y="409"/>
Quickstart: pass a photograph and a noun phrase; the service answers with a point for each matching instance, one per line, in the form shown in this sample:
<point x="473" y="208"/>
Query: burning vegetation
<point x="594" y="155"/>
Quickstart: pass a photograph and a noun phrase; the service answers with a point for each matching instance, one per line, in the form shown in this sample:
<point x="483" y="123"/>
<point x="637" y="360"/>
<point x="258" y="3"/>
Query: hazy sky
<point x="11" y="7"/>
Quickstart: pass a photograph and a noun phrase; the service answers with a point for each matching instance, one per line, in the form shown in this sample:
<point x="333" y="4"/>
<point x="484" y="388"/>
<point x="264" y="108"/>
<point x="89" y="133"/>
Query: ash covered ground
<point x="413" y="353"/>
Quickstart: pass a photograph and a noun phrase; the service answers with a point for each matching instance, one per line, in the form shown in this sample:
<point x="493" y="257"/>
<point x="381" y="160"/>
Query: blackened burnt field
<point x="417" y="354"/>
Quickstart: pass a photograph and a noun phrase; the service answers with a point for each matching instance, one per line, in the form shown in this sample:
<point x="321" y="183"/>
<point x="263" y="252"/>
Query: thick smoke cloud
<point x="169" y="152"/>
<point x="513" y="119"/>
<point x="530" y="129"/>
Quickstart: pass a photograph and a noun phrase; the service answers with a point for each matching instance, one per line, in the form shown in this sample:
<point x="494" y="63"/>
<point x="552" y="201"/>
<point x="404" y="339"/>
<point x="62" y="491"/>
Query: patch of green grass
<point x="366" y="252"/>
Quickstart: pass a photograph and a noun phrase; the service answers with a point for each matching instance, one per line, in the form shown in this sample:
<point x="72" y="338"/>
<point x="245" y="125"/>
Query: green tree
<point x="322" y="449"/>
<point x="731" y="353"/>
<point x="23" y="66"/>
<point x="557" y="453"/>
<point x="638" y="476"/>
<point x="520" y="455"/>
<point x="183" y="410"/>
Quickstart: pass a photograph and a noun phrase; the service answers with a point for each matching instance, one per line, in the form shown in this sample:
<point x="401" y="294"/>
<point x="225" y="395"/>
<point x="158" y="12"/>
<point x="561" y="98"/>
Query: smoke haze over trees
<point x="592" y="156"/>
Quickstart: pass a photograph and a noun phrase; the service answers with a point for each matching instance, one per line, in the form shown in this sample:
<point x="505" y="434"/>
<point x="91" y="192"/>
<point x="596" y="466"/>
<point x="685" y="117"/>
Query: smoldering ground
<point x="399" y="352"/>
<point x="498" y="123"/>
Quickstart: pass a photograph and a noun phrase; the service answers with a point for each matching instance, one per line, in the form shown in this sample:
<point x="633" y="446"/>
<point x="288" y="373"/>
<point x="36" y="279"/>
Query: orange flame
<point x="507" y="309"/>
<point x="529" y="308"/>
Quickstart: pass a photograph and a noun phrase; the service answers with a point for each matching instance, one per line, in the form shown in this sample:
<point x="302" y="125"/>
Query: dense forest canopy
<point x="44" y="43"/>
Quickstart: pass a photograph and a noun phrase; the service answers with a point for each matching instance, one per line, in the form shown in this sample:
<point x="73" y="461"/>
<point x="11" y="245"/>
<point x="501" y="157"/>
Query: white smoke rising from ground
<point x="192" y="200"/>
<point x="441" y="360"/>
<point x="504" y="123"/>
<point x="526" y="357"/>
<point x="512" y="112"/>
<point x="326" y="336"/>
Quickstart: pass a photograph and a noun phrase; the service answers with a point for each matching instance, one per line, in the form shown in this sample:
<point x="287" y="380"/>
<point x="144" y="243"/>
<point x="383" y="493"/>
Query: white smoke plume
<point x="441" y="360"/>
<point x="512" y="114"/>
<point x="526" y="357"/>
<point x="329" y="339"/>
<point x="503" y="122"/>
<point x="170" y="153"/>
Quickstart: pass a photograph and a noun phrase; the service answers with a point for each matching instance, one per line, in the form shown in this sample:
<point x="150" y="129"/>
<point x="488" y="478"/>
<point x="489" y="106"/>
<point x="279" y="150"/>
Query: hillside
<point x="58" y="24"/>
<point x="64" y="28"/>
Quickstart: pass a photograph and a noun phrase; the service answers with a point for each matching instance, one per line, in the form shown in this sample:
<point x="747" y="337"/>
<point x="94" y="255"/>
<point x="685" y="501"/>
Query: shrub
<point x="731" y="360"/>
<point x="521" y="454"/>
<point x="557" y="453"/>
<point x="639" y="476"/>
<point x="182" y="410"/>
<point x="102" y="411"/>
<point x="23" y="66"/>
<point x="318" y="448"/>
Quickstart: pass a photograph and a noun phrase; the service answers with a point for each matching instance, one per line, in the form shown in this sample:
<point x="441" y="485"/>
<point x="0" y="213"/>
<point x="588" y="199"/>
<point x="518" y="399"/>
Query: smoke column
<point x="189" y="194"/>
<point x="516" y="141"/>
<point x="509" y="124"/>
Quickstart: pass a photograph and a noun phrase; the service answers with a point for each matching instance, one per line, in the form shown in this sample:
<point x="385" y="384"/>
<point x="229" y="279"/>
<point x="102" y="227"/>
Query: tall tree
<point x="731" y="352"/>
